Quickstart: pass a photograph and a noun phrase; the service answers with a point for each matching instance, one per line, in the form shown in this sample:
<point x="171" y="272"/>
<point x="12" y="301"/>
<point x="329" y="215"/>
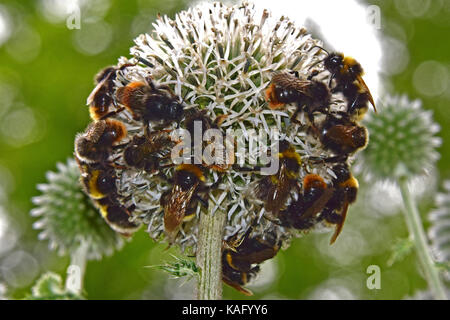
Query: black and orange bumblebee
<point x="341" y="135"/>
<point x="304" y="212"/>
<point x="150" y="103"/>
<point x="347" y="72"/>
<point x="180" y="202"/>
<point x="98" y="181"/>
<point x="222" y="156"/>
<point x="345" y="190"/>
<point x="275" y="189"/>
<point x="240" y="257"/>
<point x="102" y="97"/>
<point x="148" y="152"/>
<point x="99" y="139"/>
<point x="310" y="96"/>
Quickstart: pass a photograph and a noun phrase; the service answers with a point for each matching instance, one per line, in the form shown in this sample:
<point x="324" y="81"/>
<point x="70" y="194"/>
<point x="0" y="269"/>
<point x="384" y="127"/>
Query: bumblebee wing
<point x="366" y="88"/>
<point x="97" y="88"/>
<point x="176" y="206"/>
<point x="342" y="134"/>
<point x="289" y="81"/>
<point x="262" y="255"/>
<point x="236" y="286"/>
<point x="261" y="188"/>
<point x="278" y="194"/>
<point x="341" y="224"/>
<point x="319" y="204"/>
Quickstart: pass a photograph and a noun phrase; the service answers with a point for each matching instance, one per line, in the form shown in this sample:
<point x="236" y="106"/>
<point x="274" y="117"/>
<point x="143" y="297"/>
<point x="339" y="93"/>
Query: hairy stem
<point x="209" y="256"/>
<point x="76" y="269"/>
<point x="415" y="226"/>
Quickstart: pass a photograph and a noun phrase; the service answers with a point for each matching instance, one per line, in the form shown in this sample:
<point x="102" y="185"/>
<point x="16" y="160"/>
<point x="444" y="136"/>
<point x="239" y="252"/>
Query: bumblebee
<point x="274" y="189"/>
<point x="116" y="215"/>
<point x="222" y="162"/>
<point x="310" y="96"/>
<point x="304" y="213"/>
<point x="181" y="201"/>
<point x="97" y="142"/>
<point x="149" y="103"/>
<point x="342" y="136"/>
<point x="345" y="192"/>
<point x="348" y="75"/>
<point x="147" y="152"/>
<point x="98" y="180"/>
<point x="102" y="97"/>
<point x="239" y="258"/>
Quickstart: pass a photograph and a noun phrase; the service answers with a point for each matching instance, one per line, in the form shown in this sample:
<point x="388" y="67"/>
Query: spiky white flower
<point x="221" y="59"/>
<point x="67" y="217"/>
<point x="403" y="140"/>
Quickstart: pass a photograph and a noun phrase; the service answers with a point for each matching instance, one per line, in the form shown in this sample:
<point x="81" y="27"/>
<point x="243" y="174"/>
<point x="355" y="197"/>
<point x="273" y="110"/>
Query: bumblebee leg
<point x="202" y="201"/>
<point x="295" y="115"/>
<point x="335" y="159"/>
<point x="112" y="113"/>
<point x="313" y="74"/>
<point x="331" y="79"/>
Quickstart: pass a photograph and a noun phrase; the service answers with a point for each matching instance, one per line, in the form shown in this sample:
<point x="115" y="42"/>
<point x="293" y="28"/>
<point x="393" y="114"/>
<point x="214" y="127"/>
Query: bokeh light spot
<point x="19" y="268"/>
<point x="396" y="56"/>
<point x="93" y="38"/>
<point x="20" y="127"/>
<point x="5" y="25"/>
<point x="25" y="45"/>
<point x="431" y="78"/>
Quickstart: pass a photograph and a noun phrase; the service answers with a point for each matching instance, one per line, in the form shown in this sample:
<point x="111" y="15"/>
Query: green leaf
<point x="400" y="250"/>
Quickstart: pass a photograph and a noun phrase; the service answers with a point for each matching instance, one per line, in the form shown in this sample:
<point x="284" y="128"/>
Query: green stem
<point x="415" y="227"/>
<point x="76" y="270"/>
<point x="209" y="255"/>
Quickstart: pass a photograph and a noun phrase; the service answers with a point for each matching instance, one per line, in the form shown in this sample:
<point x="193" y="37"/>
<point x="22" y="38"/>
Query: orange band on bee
<point x="313" y="181"/>
<point x="271" y="98"/>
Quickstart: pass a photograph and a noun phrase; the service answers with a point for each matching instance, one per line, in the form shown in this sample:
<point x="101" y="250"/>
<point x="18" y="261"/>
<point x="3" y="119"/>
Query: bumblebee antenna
<point x="321" y="48"/>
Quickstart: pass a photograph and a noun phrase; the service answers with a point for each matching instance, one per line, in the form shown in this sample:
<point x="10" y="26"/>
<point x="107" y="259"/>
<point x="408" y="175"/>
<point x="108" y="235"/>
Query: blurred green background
<point x="46" y="73"/>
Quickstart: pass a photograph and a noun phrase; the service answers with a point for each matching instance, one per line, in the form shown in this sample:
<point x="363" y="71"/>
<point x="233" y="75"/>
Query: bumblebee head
<point x="334" y="62"/>
<point x="187" y="175"/>
<point x="175" y="111"/>
<point x="106" y="182"/>
<point x="342" y="172"/>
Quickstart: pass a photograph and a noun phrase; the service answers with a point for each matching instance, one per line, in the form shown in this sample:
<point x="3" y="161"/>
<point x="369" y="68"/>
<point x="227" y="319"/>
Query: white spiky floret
<point x="221" y="59"/>
<point x="67" y="217"/>
<point x="403" y="140"/>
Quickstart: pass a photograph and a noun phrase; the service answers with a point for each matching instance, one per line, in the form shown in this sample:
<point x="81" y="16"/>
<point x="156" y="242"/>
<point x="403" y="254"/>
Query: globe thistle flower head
<point x="403" y="140"/>
<point x="67" y="217"/>
<point x="220" y="60"/>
